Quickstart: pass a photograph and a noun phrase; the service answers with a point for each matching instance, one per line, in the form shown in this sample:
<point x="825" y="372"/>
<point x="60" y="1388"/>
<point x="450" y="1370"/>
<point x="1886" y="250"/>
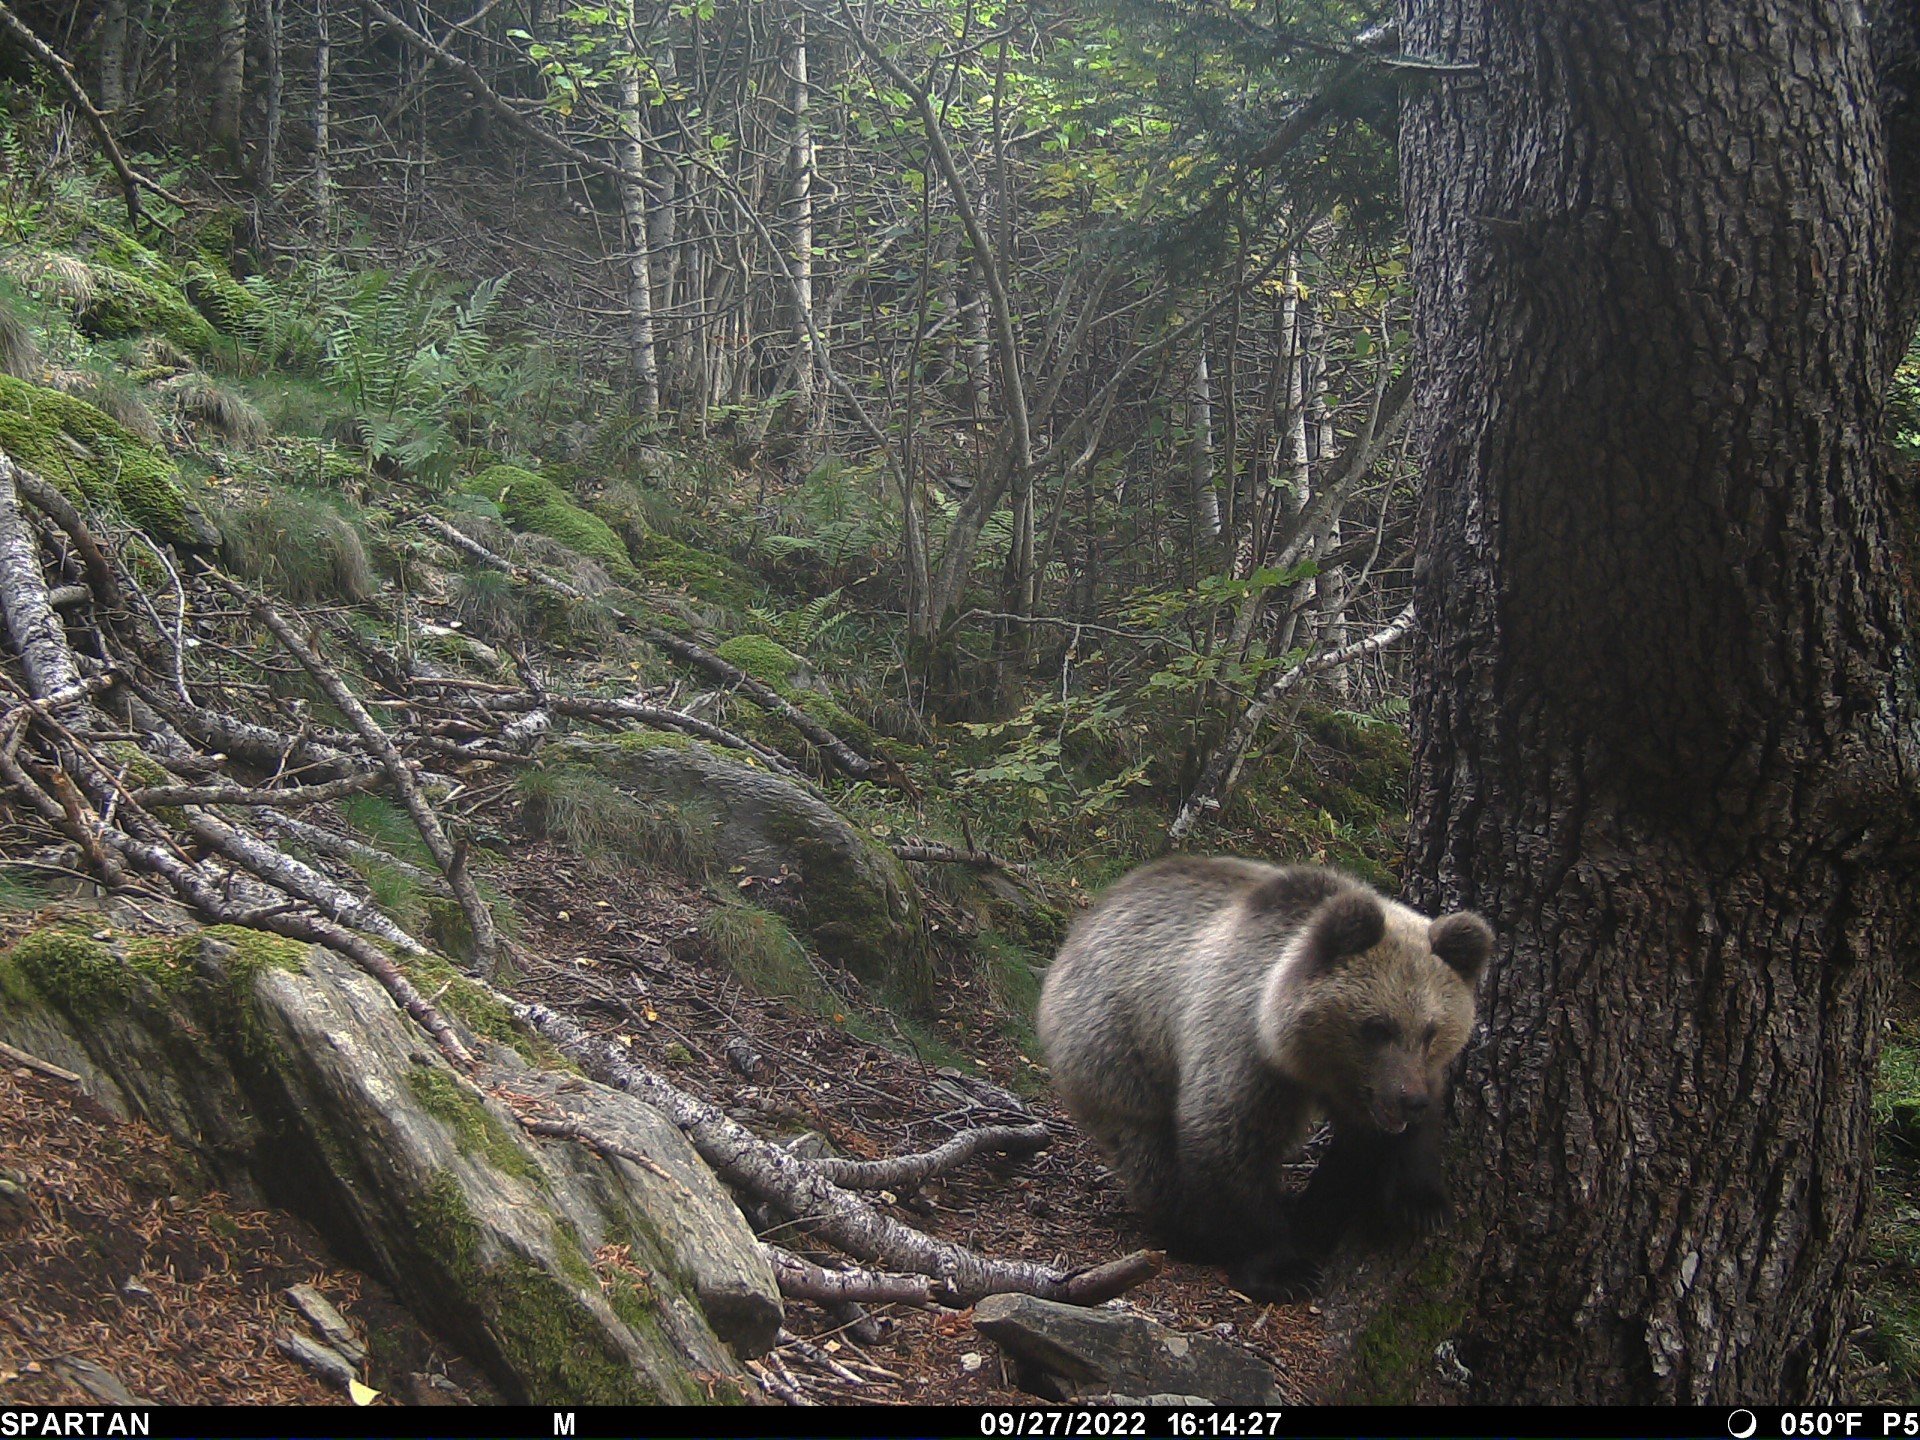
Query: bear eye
<point x="1378" y="1032"/>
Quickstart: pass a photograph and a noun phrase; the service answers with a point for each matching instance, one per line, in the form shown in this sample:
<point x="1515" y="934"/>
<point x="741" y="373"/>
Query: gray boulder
<point x="1066" y="1352"/>
<point x="850" y="896"/>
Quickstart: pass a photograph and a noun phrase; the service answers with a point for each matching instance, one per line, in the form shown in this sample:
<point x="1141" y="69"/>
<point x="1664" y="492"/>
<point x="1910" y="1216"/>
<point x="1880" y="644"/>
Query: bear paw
<point x="1282" y="1277"/>
<point x="1417" y="1210"/>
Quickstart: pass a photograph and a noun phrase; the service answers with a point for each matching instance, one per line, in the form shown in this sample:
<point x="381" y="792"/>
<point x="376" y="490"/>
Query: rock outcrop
<point x="570" y="1276"/>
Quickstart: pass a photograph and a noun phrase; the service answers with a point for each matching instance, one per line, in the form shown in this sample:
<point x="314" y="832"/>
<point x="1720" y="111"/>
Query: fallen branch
<point x="36" y="632"/>
<point x="906" y="1171"/>
<point x="926" y="853"/>
<point x="153" y="795"/>
<point x="800" y="1279"/>
<point x="486" y="940"/>
<point x="101" y="581"/>
<point x="34" y="1062"/>
<point x="841" y="1217"/>
<point x="843" y="756"/>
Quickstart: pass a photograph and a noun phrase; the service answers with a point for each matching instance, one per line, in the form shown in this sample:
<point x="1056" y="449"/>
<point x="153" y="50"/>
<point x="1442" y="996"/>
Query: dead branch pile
<point x="162" y="746"/>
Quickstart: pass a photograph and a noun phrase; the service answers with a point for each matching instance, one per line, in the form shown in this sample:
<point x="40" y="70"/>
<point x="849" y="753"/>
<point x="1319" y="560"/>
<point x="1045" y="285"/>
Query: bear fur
<point x="1205" y="1013"/>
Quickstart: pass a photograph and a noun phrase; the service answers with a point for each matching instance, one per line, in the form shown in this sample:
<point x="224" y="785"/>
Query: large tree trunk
<point x="228" y="82"/>
<point x="1664" y="722"/>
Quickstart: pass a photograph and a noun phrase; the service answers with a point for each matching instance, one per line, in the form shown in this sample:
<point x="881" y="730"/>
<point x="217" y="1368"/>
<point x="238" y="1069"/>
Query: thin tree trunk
<point x="806" y="408"/>
<point x="322" y="118"/>
<point x="1665" y="705"/>
<point x="633" y="205"/>
<point x="1205" y="499"/>
<point x="273" y="13"/>
<point x="110" y="82"/>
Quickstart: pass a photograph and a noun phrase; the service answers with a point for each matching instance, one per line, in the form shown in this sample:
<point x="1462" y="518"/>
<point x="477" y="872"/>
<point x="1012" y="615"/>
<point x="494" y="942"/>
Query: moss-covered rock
<point x="136" y="292"/>
<point x="295" y="1078"/>
<point x="850" y="897"/>
<point x="228" y="305"/>
<point x="533" y="502"/>
<point x="668" y="563"/>
<point x="767" y="661"/>
<point x="90" y="456"/>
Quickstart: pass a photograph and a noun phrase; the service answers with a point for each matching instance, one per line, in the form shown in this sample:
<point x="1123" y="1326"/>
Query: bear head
<point x="1368" y="1004"/>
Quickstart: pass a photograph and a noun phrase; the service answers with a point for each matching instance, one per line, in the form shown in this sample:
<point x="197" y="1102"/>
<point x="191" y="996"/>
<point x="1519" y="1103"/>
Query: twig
<point x="34" y="1062"/>
<point x="840" y="1216"/>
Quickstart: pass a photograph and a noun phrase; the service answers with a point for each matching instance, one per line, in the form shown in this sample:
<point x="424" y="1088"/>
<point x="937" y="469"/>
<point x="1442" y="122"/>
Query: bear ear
<point x="1344" y="924"/>
<point x="1463" y="941"/>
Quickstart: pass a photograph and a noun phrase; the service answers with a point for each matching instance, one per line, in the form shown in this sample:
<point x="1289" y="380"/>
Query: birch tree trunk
<point x="1665" y="717"/>
<point x="1204" y="498"/>
<point x="807" y="409"/>
<point x="633" y="205"/>
<point x="322" y="118"/>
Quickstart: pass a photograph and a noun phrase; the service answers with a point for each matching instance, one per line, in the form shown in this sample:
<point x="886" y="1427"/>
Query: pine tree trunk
<point x="229" y="77"/>
<point x="1665" y="718"/>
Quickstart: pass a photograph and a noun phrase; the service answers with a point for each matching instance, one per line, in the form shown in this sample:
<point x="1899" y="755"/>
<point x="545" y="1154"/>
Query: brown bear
<point x="1205" y="1012"/>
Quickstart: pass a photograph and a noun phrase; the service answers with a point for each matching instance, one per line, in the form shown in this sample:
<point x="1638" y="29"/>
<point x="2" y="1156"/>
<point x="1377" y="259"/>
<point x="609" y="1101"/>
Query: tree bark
<point x="273" y="13"/>
<point x="633" y="204"/>
<point x="1664" y="718"/>
<point x="111" y="83"/>
<point x="322" y="114"/>
<point x="229" y="78"/>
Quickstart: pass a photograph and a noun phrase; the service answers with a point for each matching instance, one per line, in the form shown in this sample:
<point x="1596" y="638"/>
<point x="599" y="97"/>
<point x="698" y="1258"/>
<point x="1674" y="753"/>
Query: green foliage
<point x="1903" y="405"/>
<point x="410" y="363"/>
<point x="84" y="452"/>
<point x="1036" y="755"/>
<point x="299" y="543"/>
<point x="603" y="824"/>
<point x="1890" y="1264"/>
<point x="811" y="627"/>
<point x="533" y="502"/>
<point x="758" y="946"/>
<point x="671" y="563"/>
<point x="19" y="346"/>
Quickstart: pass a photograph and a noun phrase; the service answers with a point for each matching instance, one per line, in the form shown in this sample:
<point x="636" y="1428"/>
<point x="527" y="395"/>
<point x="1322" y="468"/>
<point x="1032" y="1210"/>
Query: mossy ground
<point x="90" y="456"/>
<point x="477" y="1130"/>
<point x="533" y="502"/>
<point x="1392" y="1356"/>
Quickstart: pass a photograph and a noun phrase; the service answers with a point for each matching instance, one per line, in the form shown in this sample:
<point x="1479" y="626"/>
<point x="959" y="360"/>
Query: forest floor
<point x="129" y="1264"/>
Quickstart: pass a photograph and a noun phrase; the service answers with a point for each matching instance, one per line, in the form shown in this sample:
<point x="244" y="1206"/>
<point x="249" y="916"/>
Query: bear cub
<point x="1206" y="1012"/>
